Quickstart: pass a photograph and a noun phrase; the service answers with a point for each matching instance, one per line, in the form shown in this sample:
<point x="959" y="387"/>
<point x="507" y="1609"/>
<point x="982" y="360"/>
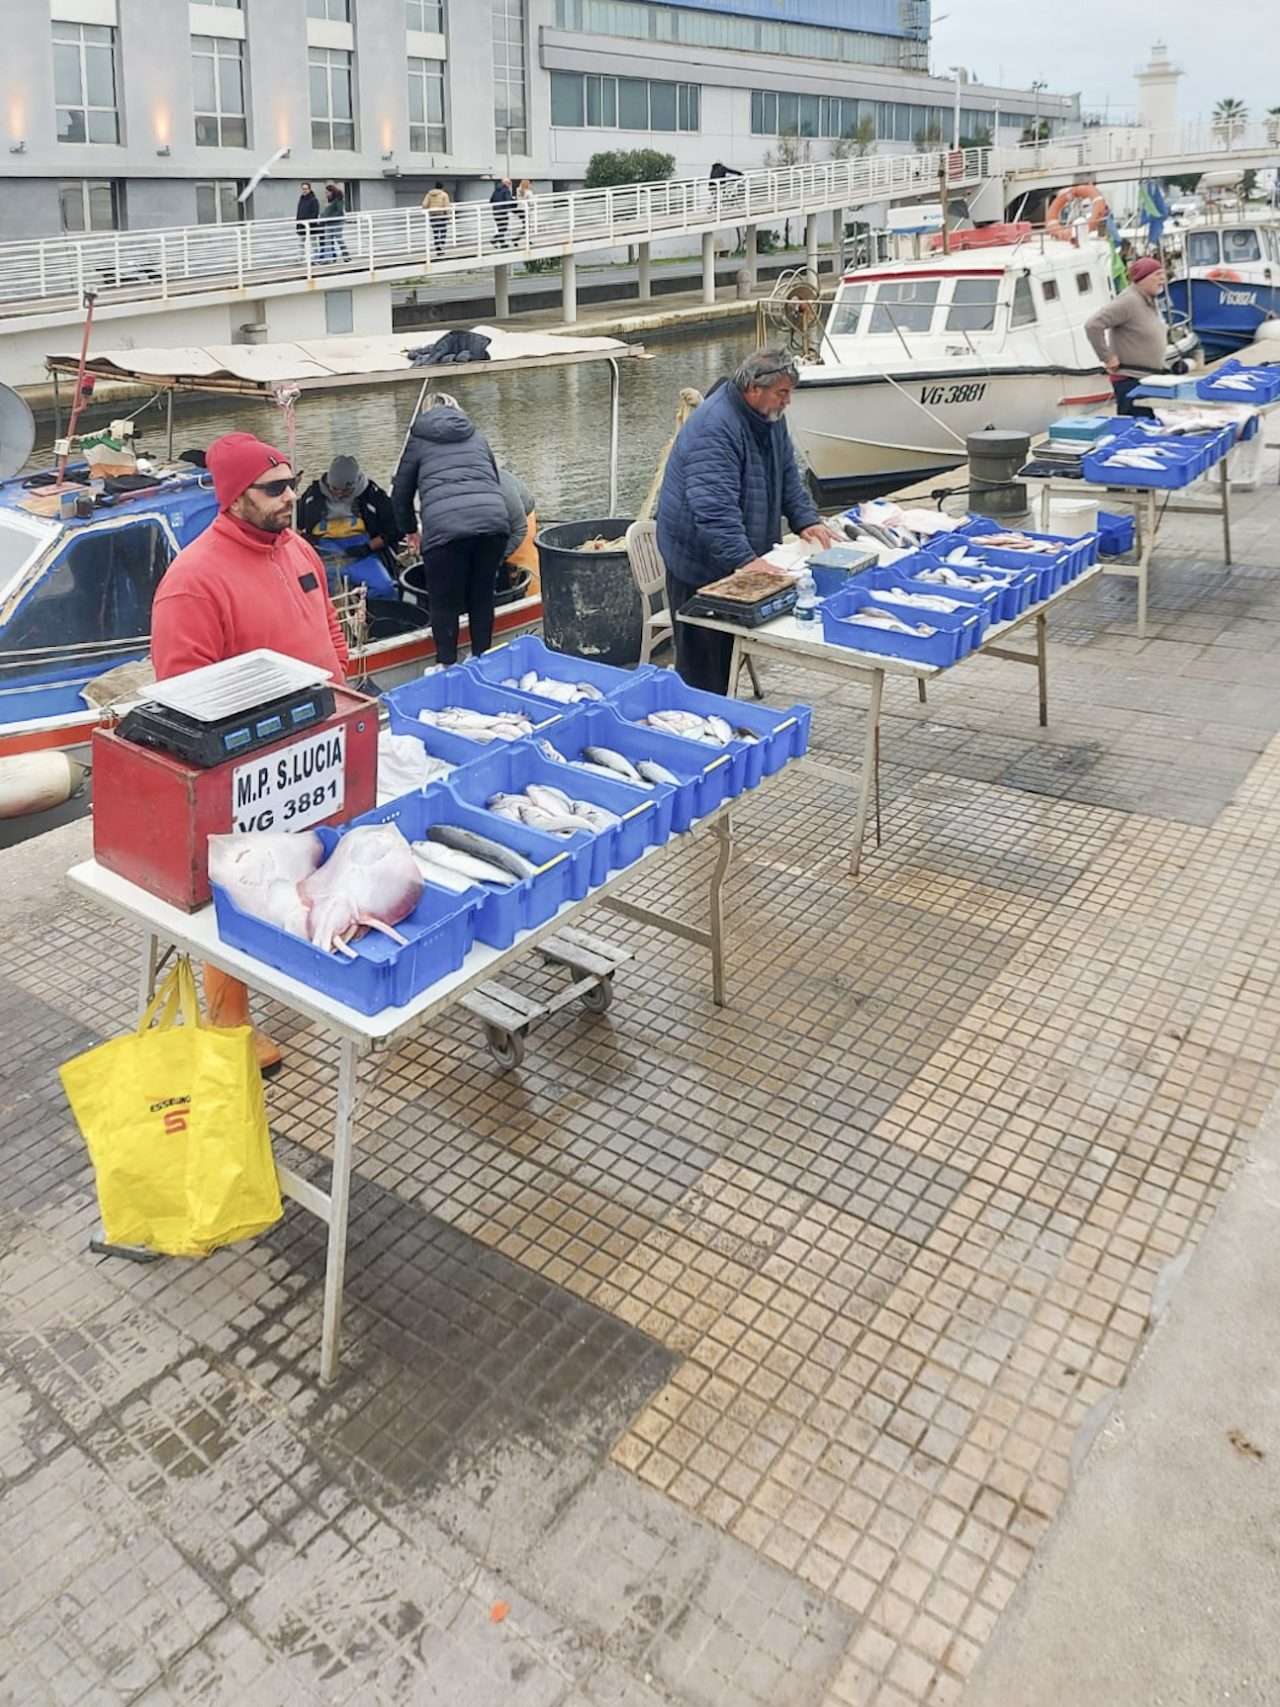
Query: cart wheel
<point x="599" y="997"/>
<point x="506" y="1047"/>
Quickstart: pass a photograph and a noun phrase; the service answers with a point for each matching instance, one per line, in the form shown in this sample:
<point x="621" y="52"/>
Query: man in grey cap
<point x="352" y="524"/>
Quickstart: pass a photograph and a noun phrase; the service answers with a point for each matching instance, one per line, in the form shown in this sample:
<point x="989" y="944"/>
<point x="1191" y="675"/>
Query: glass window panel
<point x="695" y="107"/>
<point x="319" y="78"/>
<point x="1241" y="246"/>
<point x="1202" y="249"/>
<point x="320" y="133"/>
<point x="788" y="113"/>
<point x="1084" y="284"/>
<point x="566" y="98"/>
<point x="230" y="83"/>
<point x="417" y="99"/>
<point x="235" y="132"/>
<point x="973" y="305"/>
<point x="435" y="100"/>
<point x="203" y="83"/>
<point x="101" y="35"/>
<point x="71" y="206"/>
<point x="341" y="84"/>
<point x="102" y="205"/>
<point x="100" y="77"/>
<point x="1049" y="290"/>
<point x="66" y="75"/>
<point x="593" y="100"/>
<point x="206" y="131"/>
<point x="848" y="311"/>
<point x="103" y="125"/>
<point x="662" y="106"/>
<point x="609" y="100"/>
<point x="904" y="305"/>
<point x="344" y="135"/>
<point x="206" y="205"/>
<point x="808" y="115"/>
<point x="633" y="103"/>
<point x="1024" y="307"/>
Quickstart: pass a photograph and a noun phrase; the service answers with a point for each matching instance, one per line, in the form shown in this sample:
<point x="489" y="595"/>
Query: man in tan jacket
<point x="436" y="202"/>
<point x="1129" y="335"/>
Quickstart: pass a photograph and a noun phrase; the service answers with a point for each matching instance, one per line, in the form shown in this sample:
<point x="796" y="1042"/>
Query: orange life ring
<point x="1057" y="226"/>
<point x="1223" y="275"/>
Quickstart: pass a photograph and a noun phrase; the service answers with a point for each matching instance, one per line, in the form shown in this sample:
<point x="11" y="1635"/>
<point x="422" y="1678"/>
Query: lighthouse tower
<point x="1158" y="92"/>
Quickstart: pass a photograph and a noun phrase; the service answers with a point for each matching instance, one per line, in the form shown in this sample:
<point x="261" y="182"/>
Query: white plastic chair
<point x="650" y="575"/>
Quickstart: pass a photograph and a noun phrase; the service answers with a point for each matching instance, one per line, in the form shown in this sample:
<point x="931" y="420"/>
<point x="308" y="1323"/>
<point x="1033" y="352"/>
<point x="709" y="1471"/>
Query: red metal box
<point x="153" y="814"/>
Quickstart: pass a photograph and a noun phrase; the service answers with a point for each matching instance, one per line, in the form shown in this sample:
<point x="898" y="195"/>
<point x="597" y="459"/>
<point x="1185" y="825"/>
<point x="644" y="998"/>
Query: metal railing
<point x="159" y="266"/>
<point x="1201" y="146"/>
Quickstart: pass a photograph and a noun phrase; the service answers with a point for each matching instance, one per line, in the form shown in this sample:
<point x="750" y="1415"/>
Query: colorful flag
<point x="1119" y="276"/>
<point x="1154" y="209"/>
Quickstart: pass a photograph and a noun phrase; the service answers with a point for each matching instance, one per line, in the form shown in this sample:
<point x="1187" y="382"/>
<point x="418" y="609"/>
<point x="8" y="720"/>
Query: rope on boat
<point x="689" y="401"/>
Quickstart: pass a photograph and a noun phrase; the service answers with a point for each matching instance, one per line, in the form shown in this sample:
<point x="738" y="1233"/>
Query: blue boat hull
<point x="1225" y="313"/>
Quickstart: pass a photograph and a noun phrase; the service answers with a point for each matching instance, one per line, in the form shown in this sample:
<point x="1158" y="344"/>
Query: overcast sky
<point x="1231" y="47"/>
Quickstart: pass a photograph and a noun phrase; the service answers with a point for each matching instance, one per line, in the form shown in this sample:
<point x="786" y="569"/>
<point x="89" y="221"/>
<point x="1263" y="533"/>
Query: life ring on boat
<point x="1222" y="275"/>
<point x="1057" y="226"/>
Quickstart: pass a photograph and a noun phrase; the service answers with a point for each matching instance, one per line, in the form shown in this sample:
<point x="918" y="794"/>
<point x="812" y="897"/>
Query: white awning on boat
<point x="261" y="369"/>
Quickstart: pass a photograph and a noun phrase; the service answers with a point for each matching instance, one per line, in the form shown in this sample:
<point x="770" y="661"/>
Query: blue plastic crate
<point x="900" y="578"/>
<point x="1182" y="461"/>
<point x="705" y="774"/>
<point x="900" y="600"/>
<point x="941" y="648"/>
<point x="527" y="652"/>
<point x="1081" y="550"/>
<point x="383" y="974"/>
<point x="512" y="769"/>
<point x="780" y="735"/>
<point x="564" y="872"/>
<point x="1047" y="572"/>
<point x="1116" y="534"/>
<point x="1264" y="383"/>
<point x="455" y="686"/>
<point x="1012" y="594"/>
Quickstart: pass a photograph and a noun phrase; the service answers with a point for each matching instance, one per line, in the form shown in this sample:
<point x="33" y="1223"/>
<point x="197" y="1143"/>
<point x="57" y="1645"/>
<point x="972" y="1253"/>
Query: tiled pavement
<point x="712" y="1357"/>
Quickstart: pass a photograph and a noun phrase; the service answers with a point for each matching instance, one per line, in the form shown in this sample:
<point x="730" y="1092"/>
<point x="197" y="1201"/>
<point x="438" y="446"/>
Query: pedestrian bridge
<point x="1116" y="155"/>
<point x="41" y="280"/>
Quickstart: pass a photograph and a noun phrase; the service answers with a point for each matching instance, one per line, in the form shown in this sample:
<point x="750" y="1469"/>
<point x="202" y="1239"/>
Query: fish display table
<point x="802" y="642"/>
<point x="355" y="1034"/>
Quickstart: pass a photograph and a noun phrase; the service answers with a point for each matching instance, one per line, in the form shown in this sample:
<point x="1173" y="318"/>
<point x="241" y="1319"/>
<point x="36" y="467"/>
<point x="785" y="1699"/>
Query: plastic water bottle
<point x="806" y="597"/>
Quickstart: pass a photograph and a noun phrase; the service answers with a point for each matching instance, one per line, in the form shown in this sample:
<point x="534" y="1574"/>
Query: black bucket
<point x="513" y="584"/>
<point x="590" y="605"/>
<point x="391" y="617"/>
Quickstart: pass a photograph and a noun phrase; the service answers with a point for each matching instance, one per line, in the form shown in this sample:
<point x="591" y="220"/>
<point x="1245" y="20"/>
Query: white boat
<point x="919" y="352"/>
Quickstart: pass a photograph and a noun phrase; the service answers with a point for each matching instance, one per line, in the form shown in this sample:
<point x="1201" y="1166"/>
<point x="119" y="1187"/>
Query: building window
<point x="217" y="68"/>
<point x="218" y="202"/>
<point x="84" y="83"/>
<point x="89" y="204"/>
<point x="623" y="103"/>
<point x="332" y="114"/>
<point x="509" y="109"/>
<point x="337" y="11"/>
<point x="339" y="312"/>
<point x="426" y="107"/>
<point x="426" y="17"/>
<point x="905" y="48"/>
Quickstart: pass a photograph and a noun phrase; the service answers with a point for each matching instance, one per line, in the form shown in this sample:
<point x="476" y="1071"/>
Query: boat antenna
<point x="77" y="401"/>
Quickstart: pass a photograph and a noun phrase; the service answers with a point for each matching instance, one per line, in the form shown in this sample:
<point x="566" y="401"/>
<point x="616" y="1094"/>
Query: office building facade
<point x="132" y="114"/>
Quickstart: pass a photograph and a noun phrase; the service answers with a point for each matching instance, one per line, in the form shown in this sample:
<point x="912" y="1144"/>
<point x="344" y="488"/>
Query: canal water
<point x="550" y="425"/>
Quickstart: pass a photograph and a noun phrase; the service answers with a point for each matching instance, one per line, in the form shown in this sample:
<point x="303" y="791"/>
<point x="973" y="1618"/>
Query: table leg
<point x="339" y="1204"/>
<point x="147" y="971"/>
<point x="724" y="855"/>
<point x="870" y="754"/>
<point x="1044" y="509"/>
<point x="1226" y="512"/>
<point x="1144" y="560"/>
<point x="921" y="691"/>
<point x="1042" y="669"/>
<point x="736" y="660"/>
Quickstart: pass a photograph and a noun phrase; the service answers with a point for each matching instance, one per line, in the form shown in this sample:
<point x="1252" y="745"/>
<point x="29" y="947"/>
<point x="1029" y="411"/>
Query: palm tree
<point x="1273" y="124"/>
<point x="1229" y="116"/>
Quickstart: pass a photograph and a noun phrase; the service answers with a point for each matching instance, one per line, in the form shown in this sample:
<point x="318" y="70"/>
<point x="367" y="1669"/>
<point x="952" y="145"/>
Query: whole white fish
<point x="551" y="687"/>
<point x="369" y="882"/>
<point x="480" y="847"/>
<point x="453" y="864"/>
<point x="479" y="726"/>
<point x="549" y="798"/>
<point x="651" y="771"/>
<point x="607" y="759"/>
<point x="596" y="817"/>
<point x="552" y="753"/>
<point x="713" y="730"/>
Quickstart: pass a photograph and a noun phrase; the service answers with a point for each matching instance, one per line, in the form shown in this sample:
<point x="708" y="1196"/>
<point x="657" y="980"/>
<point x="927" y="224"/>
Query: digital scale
<point x="749" y="598"/>
<point x="257" y="742"/>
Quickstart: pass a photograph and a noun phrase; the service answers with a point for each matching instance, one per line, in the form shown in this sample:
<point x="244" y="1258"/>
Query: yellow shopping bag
<point x="176" y="1125"/>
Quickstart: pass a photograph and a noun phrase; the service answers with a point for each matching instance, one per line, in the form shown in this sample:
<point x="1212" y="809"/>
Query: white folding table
<point x="356" y="1034"/>
<point x="802" y="643"/>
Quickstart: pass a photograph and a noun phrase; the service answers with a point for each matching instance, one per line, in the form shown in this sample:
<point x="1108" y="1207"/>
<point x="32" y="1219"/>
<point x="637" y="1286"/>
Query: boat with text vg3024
<point x="1230" y="278"/>
<point x="921" y="350"/>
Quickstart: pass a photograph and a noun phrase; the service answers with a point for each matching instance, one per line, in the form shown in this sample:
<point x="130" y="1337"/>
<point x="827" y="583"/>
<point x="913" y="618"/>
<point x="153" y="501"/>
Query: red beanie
<point x="1143" y="269"/>
<point x="235" y="462"/>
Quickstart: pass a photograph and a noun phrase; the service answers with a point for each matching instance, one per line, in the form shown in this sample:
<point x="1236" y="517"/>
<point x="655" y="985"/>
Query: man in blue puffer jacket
<point x="461" y="526"/>
<point x="730" y="479"/>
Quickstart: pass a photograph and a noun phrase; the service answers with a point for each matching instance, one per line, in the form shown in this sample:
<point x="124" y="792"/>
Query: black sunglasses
<point x="275" y="488"/>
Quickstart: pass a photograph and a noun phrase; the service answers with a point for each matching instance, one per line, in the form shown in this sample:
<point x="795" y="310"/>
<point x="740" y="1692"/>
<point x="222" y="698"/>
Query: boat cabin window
<point x="973" y="305"/>
<point x="904" y="305"/>
<point x="1024" y="308"/>
<point x="17" y="548"/>
<point x="1241" y="246"/>
<point x="1202" y="249"/>
<point x="99" y="589"/>
<point x="1084" y="284"/>
<point x="1049" y="290"/>
<point x="847" y="311"/>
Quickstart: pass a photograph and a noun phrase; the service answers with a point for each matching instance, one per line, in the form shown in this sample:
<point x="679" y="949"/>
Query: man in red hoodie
<point x="247" y="581"/>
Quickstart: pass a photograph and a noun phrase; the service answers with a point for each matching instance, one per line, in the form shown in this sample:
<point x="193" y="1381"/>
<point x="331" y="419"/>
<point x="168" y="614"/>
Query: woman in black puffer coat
<point x="461" y="526"/>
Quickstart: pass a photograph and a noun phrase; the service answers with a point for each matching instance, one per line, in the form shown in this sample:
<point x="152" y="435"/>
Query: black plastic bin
<point x="590" y="605"/>
<point x="513" y="584"/>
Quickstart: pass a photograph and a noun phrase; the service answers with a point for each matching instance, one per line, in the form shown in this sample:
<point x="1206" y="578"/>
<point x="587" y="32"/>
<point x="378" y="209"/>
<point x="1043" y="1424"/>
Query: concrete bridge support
<point x="708" y="266"/>
<point x="569" y="289"/>
<point x="646" y="282"/>
<point x="752" y="260"/>
<point x="502" y="290"/>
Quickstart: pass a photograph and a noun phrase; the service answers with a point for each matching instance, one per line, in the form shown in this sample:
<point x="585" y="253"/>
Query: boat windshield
<point x="1202" y="249"/>
<point x="18" y="546"/>
<point x="973" y="305"/>
<point x="904" y="305"/>
<point x="848" y="311"/>
<point x="1241" y="245"/>
<point x="96" y="594"/>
